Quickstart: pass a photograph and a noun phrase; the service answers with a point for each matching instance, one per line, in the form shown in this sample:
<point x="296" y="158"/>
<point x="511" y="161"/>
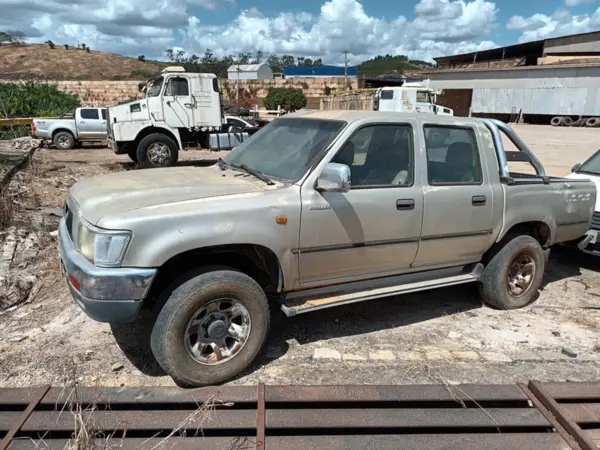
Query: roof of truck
<point x="351" y="116"/>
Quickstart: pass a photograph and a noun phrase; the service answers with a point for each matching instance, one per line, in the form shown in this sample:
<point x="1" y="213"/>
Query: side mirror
<point x="575" y="167"/>
<point x="334" y="178"/>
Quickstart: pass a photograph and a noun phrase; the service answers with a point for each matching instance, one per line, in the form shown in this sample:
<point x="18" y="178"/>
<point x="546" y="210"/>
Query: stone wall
<point x="110" y="93"/>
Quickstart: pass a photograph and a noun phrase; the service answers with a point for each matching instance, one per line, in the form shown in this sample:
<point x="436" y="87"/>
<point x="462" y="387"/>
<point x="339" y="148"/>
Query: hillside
<point x="391" y="65"/>
<point x="39" y="61"/>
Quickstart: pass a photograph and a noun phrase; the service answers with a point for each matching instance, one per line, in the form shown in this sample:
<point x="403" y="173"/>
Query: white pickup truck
<point x="83" y="124"/>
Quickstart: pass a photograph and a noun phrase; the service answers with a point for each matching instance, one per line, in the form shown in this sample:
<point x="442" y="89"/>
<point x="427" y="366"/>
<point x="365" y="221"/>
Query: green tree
<point x="290" y="99"/>
<point x="5" y="38"/>
<point x="31" y="99"/>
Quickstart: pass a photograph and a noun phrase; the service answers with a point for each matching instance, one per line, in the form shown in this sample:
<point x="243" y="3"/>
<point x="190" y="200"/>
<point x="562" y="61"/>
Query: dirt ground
<point x="444" y="335"/>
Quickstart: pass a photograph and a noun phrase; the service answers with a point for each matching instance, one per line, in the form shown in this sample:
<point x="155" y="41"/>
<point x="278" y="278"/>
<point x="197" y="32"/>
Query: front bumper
<point x="113" y="145"/>
<point x="105" y="294"/>
<point x="590" y="242"/>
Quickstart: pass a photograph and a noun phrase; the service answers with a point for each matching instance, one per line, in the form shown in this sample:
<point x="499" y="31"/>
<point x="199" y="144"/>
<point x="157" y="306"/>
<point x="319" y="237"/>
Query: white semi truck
<point x="409" y="97"/>
<point x="180" y="111"/>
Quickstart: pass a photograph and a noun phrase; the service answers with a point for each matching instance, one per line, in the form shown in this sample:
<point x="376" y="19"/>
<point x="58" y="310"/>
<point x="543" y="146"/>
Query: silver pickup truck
<point x="84" y="124"/>
<point x="317" y="209"/>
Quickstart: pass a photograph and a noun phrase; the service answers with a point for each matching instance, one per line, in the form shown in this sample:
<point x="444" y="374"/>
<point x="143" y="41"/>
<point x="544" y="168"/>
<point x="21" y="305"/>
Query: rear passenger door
<point x="89" y="124"/>
<point x="457" y="216"/>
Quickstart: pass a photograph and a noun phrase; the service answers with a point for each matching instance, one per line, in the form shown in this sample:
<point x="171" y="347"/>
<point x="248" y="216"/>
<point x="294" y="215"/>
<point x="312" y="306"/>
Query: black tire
<point x="567" y="121"/>
<point x="556" y="121"/>
<point x="593" y="122"/>
<point x="194" y="291"/>
<point x="63" y="140"/>
<point x="494" y="287"/>
<point x="132" y="153"/>
<point x="152" y="139"/>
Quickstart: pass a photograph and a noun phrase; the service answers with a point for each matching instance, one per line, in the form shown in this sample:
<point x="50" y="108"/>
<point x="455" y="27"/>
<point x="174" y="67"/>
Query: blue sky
<point x="314" y="28"/>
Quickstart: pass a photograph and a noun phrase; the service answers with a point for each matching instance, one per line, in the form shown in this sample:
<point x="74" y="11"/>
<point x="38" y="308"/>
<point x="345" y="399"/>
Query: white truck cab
<point x="180" y="110"/>
<point x="414" y="98"/>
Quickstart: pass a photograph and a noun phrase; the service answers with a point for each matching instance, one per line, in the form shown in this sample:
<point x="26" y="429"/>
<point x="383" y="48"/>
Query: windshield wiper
<point x="257" y="173"/>
<point x="222" y="163"/>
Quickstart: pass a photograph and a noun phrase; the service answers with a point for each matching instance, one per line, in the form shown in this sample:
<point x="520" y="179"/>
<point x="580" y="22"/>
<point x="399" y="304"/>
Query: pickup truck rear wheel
<point x="63" y="140"/>
<point x="513" y="276"/>
<point x="157" y="150"/>
<point x="212" y="326"/>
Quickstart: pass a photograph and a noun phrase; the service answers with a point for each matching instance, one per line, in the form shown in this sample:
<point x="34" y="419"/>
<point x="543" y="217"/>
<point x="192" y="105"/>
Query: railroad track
<point x="536" y="415"/>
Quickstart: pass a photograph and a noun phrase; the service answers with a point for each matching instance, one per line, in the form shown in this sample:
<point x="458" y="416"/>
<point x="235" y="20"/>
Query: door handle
<point x="405" y="204"/>
<point x="478" y="200"/>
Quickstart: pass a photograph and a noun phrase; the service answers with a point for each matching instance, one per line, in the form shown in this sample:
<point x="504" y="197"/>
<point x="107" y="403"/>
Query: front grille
<point x="593" y="247"/>
<point x="596" y="221"/>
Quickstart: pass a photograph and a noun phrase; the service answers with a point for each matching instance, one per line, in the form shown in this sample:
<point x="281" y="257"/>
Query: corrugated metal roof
<point x="432" y="72"/>
<point x="245" y="67"/>
<point x="316" y="71"/>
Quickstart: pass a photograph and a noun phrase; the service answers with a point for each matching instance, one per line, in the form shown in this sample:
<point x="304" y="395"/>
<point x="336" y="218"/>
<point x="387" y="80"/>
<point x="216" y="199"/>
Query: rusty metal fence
<point x="535" y="416"/>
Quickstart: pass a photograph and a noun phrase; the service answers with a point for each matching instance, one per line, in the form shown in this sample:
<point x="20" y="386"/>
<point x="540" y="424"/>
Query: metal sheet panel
<point x="555" y="101"/>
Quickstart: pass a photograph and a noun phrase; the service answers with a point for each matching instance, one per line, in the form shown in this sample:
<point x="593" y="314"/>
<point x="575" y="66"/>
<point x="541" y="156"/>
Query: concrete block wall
<point x="110" y="93"/>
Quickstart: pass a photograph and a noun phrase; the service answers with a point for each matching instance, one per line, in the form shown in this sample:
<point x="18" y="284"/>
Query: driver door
<point x="178" y="103"/>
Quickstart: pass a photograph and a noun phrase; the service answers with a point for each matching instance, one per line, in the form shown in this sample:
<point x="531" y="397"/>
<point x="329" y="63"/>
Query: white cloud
<point x="571" y="3"/>
<point x="541" y="26"/>
<point x="440" y="27"/>
<point x="133" y="27"/>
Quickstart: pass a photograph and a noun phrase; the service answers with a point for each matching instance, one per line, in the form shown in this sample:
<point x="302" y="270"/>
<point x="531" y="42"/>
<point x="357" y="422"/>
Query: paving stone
<point x="410" y="356"/>
<point x="382" y="355"/>
<point x="353" y="357"/>
<point x="438" y="354"/>
<point x="467" y="355"/>
<point x="527" y="355"/>
<point x="495" y="357"/>
<point x="326" y="353"/>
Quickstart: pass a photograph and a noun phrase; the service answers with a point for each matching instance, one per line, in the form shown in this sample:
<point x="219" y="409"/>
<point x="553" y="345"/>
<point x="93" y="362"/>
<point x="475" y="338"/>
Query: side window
<point x="177" y="86"/>
<point x="379" y="155"/>
<point x="387" y="94"/>
<point x="452" y="156"/>
<point x="89" y="114"/>
<point x="423" y="97"/>
<point x="215" y="83"/>
<point x="103" y="114"/>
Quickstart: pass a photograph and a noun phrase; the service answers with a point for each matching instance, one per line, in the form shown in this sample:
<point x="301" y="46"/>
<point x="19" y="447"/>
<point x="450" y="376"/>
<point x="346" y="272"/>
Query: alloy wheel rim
<point x="217" y="332"/>
<point x="521" y="274"/>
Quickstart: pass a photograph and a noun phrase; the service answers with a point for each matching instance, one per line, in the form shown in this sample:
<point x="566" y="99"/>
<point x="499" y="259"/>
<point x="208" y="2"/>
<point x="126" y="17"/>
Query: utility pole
<point x="346" y="68"/>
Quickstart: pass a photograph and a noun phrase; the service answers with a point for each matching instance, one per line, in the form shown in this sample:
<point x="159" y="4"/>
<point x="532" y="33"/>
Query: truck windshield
<point x="155" y="85"/>
<point x="286" y="148"/>
<point x="591" y="166"/>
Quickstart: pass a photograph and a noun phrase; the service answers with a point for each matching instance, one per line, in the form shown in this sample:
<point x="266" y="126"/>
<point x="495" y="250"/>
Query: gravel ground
<point x="437" y="336"/>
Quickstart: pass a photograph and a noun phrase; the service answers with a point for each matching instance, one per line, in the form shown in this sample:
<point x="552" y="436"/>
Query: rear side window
<point x="104" y="114"/>
<point x="452" y="156"/>
<point x="89" y="114"/>
<point x="387" y="95"/>
<point x="215" y="83"/>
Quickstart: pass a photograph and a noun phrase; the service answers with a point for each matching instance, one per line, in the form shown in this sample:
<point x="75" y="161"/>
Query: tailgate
<point x="573" y="207"/>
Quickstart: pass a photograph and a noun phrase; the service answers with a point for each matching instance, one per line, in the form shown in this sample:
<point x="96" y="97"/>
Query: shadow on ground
<point x="349" y="320"/>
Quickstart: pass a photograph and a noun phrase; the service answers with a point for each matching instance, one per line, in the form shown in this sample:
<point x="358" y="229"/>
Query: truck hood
<point x="594" y="179"/>
<point x="101" y="196"/>
<point x="130" y="112"/>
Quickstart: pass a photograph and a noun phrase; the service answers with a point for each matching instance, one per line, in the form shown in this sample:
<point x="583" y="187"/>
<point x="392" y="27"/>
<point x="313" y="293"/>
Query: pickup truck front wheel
<point x="211" y="328"/>
<point x="513" y="276"/>
<point x="157" y="150"/>
<point x="63" y="140"/>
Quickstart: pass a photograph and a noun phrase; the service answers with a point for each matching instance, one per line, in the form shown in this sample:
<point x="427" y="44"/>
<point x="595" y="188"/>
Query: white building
<point x="250" y="72"/>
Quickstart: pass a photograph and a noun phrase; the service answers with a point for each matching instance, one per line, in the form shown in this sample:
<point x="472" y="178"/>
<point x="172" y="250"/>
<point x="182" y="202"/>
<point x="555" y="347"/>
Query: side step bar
<point x="307" y="301"/>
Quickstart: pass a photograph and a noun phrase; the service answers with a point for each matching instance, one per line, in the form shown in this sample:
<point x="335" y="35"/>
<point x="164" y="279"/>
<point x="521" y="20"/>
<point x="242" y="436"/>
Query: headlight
<point x="102" y="247"/>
